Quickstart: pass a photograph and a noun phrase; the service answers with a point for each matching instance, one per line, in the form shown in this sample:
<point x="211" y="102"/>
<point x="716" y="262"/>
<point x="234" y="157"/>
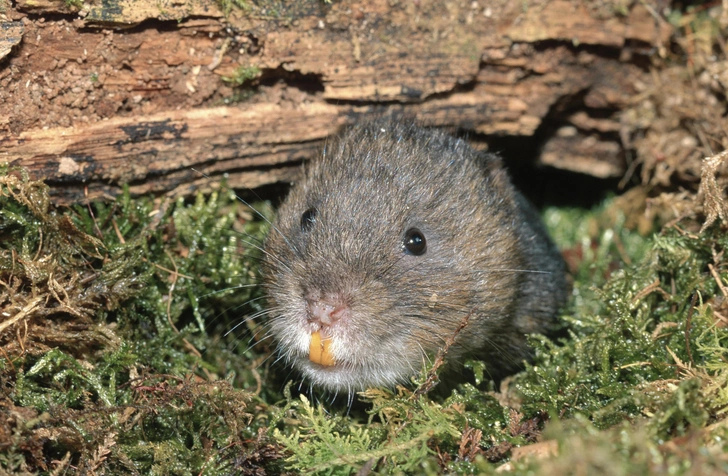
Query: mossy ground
<point x="125" y="350"/>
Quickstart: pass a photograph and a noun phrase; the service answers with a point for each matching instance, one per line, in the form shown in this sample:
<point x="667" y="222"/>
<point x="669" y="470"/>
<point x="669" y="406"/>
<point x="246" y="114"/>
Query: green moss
<point x="119" y="358"/>
<point x="74" y="4"/>
<point x="629" y="333"/>
<point x="242" y="74"/>
<point x="139" y="382"/>
<point x="227" y="6"/>
<point x="402" y="434"/>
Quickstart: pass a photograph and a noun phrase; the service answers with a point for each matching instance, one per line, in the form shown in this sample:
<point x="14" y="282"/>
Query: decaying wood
<point x="90" y="107"/>
<point x="11" y="33"/>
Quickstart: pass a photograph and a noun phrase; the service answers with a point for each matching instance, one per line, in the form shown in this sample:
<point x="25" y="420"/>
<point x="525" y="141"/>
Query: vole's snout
<point x="326" y="311"/>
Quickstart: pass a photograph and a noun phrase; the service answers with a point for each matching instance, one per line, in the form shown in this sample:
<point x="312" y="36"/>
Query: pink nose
<point x="324" y="312"/>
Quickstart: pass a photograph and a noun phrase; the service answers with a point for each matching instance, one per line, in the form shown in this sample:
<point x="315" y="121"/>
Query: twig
<point x="118" y="232"/>
<point x="431" y="379"/>
<point x="633" y="364"/>
<point x="718" y="280"/>
<point x="653" y="286"/>
<point x="167" y="269"/>
<point x="688" y="325"/>
<point x="188" y="344"/>
<point x="26" y="311"/>
<point x="721" y="318"/>
<point x="7" y="357"/>
<point x="91" y="212"/>
<point x="40" y="244"/>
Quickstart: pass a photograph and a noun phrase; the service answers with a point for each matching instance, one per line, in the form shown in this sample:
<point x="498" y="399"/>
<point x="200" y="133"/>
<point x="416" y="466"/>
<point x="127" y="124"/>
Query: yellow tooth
<point x="319" y="351"/>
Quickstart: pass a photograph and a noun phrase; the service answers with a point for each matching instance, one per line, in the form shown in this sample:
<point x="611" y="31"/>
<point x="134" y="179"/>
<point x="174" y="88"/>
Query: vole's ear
<point x="490" y="162"/>
<point x="497" y="175"/>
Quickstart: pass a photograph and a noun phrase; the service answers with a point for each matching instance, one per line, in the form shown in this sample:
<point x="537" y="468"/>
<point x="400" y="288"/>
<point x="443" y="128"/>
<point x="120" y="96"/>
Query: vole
<point x="392" y="238"/>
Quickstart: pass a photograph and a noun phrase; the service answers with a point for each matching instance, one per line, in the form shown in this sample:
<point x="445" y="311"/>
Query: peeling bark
<point x="89" y="106"/>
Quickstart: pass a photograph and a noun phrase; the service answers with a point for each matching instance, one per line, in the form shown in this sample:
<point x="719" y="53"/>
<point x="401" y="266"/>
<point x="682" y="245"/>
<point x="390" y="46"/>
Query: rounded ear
<point x="498" y="177"/>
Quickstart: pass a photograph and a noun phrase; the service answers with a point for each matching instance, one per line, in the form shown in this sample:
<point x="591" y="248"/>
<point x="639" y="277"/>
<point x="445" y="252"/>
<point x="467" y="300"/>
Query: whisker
<point x="280" y="357"/>
<point x="234" y="308"/>
<point x="267" y="357"/>
<point x="218" y="291"/>
<point x="246" y="320"/>
<point x="273" y="227"/>
<point x="508" y="270"/>
<point x="349" y="400"/>
<point x="270" y="255"/>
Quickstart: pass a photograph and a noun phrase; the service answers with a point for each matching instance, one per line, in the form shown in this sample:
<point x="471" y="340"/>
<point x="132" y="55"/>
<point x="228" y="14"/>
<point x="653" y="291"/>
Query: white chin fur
<point x="348" y="379"/>
<point x="346" y="375"/>
<point x="352" y="372"/>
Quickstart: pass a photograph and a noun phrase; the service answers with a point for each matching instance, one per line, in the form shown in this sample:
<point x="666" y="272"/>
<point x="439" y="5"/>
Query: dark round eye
<point x="414" y="242"/>
<point x="308" y="219"/>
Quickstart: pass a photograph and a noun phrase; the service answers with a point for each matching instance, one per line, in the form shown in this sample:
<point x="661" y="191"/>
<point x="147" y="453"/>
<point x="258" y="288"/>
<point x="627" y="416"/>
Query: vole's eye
<point x="414" y="242"/>
<point x="308" y="219"/>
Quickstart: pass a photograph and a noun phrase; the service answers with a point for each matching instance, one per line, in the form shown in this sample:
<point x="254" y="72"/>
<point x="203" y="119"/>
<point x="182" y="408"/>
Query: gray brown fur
<point x="483" y="243"/>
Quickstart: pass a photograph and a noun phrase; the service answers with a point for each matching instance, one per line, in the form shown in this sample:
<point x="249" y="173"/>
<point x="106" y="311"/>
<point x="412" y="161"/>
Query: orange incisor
<point x="319" y="351"/>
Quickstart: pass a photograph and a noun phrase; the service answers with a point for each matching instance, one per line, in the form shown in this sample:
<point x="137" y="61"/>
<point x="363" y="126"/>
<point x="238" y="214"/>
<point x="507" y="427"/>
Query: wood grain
<point x="89" y="108"/>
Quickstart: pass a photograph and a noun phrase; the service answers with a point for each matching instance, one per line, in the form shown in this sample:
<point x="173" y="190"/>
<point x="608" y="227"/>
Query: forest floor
<point x="124" y="347"/>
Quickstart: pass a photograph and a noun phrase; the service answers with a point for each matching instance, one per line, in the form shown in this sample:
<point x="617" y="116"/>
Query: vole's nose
<point x="326" y="311"/>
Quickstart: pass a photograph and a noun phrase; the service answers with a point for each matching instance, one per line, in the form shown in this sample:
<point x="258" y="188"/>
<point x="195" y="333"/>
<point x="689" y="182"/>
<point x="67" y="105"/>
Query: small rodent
<point x="391" y="239"/>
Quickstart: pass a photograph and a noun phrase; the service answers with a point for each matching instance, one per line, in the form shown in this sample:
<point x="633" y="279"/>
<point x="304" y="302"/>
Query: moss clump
<point x="227" y="6"/>
<point x="650" y="319"/>
<point x="241" y="75"/>
<point x="107" y="364"/>
<point x="74" y="4"/>
<point x="125" y="350"/>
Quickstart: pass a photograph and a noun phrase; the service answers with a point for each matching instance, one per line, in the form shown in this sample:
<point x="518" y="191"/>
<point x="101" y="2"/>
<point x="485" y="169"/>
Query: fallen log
<point x="89" y="106"/>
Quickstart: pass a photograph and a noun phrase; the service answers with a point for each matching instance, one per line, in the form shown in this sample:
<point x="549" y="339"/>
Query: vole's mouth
<point x="336" y="362"/>
<point x="337" y="365"/>
<point x="320" y="350"/>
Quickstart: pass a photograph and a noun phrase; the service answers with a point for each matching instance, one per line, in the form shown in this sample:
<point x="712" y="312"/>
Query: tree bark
<point x="101" y="94"/>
